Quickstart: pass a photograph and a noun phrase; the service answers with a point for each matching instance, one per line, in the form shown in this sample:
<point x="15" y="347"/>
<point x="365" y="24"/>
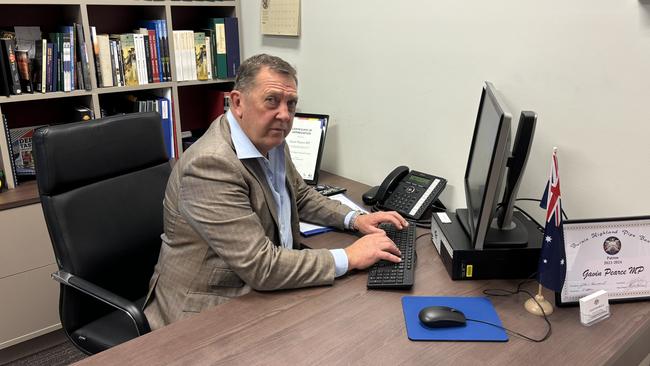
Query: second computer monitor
<point x="488" y="221"/>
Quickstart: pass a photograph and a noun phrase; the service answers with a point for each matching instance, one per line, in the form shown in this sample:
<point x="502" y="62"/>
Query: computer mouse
<point x="441" y="317"/>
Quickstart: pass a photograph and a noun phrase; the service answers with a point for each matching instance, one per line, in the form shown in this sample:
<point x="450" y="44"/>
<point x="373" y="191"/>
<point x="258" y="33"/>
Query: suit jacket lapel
<point x="256" y="170"/>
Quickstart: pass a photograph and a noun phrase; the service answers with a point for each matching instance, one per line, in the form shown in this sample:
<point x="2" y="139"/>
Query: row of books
<point x="212" y="53"/>
<point x="130" y="59"/>
<point x="30" y="63"/>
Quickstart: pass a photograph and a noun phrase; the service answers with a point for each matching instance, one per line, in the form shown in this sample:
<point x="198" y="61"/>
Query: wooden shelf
<point x="123" y="89"/>
<point x="203" y="82"/>
<point x="25" y="194"/>
<point x="43" y="96"/>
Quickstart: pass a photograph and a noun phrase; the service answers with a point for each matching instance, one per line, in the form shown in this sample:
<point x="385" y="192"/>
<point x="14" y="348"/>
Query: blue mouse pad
<point x="478" y="308"/>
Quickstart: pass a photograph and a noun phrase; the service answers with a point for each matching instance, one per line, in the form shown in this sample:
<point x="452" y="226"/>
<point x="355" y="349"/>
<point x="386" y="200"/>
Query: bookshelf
<point x="21" y="219"/>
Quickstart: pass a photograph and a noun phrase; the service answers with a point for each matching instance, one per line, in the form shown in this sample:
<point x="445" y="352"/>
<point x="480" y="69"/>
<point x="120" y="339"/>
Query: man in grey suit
<point x="233" y="203"/>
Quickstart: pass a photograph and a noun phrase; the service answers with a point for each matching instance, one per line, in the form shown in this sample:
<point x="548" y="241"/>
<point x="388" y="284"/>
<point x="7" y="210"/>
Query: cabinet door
<point x="25" y="243"/>
<point x="29" y="305"/>
<point x="29" y="302"/>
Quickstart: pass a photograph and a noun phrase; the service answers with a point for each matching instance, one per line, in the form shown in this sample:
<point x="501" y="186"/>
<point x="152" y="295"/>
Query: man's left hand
<point x="368" y="224"/>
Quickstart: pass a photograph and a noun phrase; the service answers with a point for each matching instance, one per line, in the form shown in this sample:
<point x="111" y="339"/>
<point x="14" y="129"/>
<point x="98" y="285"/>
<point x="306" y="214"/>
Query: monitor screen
<point x="306" y="144"/>
<point x="478" y="169"/>
<point x="486" y="164"/>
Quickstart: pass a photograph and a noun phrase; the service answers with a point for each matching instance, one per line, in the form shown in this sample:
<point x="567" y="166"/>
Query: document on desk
<point x="607" y="254"/>
<point x="307" y="229"/>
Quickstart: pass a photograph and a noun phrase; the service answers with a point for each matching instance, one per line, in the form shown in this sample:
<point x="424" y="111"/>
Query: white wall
<point x="402" y="84"/>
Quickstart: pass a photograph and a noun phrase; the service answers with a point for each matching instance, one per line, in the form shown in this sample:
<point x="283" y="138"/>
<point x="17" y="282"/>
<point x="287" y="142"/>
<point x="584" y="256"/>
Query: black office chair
<point x="101" y="185"/>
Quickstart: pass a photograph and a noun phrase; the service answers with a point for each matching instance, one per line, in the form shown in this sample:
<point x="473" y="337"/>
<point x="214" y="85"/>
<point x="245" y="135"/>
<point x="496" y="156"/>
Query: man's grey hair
<point x="248" y="70"/>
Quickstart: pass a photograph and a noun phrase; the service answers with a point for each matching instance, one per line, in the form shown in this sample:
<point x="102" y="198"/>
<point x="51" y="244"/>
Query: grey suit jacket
<point x="221" y="234"/>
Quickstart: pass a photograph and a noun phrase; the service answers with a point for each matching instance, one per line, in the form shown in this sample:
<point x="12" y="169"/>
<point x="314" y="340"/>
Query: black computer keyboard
<point x="386" y="275"/>
<point x="327" y="190"/>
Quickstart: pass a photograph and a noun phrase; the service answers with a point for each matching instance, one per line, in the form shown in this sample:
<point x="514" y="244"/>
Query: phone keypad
<point x="412" y="199"/>
<point x="402" y="201"/>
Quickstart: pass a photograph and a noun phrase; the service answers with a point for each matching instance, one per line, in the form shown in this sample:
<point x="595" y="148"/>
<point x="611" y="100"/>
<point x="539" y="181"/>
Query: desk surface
<point x="348" y="324"/>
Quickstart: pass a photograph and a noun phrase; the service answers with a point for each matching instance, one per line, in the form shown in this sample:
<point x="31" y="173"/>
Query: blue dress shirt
<point x="276" y="176"/>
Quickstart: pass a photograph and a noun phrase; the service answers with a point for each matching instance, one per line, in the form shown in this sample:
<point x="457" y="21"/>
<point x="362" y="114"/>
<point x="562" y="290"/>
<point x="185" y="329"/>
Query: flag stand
<point x="534" y="306"/>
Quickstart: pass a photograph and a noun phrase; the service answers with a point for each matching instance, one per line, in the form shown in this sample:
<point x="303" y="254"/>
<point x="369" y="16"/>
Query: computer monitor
<point x="489" y="157"/>
<point x="306" y="143"/>
<point x="516" y="166"/>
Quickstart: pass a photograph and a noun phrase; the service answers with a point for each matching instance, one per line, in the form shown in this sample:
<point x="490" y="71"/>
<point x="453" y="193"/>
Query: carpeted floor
<point x="59" y="355"/>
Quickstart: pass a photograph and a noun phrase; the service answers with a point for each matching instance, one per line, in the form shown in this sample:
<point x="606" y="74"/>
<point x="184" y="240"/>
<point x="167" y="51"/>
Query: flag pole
<point x="539" y="303"/>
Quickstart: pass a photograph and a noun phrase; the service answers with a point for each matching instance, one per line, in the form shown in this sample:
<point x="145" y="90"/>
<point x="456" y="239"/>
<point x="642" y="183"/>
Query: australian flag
<point x="552" y="259"/>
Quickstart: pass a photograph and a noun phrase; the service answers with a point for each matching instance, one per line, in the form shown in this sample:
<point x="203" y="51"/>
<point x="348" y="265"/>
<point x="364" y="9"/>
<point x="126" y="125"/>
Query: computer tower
<point x="463" y="262"/>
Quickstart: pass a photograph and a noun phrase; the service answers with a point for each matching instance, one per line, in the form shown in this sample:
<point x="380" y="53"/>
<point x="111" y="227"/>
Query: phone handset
<point x="391" y="181"/>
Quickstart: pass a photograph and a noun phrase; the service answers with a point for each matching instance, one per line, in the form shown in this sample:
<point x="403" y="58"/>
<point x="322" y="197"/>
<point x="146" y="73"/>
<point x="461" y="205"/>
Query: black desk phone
<point x="408" y="192"/>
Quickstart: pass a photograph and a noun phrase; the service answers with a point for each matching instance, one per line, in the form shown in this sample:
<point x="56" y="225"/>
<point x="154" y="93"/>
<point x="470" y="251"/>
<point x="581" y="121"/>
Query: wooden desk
<point x="347" y="324"/>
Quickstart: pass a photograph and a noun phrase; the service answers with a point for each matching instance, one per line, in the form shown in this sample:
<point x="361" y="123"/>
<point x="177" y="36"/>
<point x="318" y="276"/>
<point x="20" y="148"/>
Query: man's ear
<point x="236" y="103"/>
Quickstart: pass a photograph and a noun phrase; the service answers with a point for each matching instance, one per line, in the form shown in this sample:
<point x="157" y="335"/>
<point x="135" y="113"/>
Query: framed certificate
<point x="606" y="254"/>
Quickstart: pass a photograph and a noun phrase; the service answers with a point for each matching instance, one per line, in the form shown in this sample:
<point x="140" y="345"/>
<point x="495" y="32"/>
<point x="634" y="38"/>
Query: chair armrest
<point x="137" y="316"/>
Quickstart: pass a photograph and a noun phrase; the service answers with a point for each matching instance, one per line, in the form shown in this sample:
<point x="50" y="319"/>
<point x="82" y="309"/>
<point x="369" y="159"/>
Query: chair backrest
<point x="102" y="185"/>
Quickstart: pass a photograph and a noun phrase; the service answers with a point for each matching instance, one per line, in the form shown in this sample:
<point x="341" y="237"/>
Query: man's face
<point x="265" y="112"/>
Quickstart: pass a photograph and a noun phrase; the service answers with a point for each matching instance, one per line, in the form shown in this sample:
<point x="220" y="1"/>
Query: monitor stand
<point x="516" y="236"/>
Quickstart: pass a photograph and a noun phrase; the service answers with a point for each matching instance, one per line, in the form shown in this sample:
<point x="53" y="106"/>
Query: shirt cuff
<point x="340" y="262"/>
<point x="348" y="219"/>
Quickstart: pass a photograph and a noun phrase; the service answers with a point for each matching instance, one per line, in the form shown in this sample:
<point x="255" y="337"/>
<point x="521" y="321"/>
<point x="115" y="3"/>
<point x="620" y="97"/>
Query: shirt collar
<point x="243" y="145"/>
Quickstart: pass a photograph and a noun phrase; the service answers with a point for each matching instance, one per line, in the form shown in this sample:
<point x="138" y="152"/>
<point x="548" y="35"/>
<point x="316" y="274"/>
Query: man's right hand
<point x="370" y="249"/>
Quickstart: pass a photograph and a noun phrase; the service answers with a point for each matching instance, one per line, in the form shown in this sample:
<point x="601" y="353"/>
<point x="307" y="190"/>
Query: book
<point x="112" y="46"/>
<point x="154" y="50"/>
<point x="12" y="67"/>
<point x="83" y="56"/>
<point x="37" y="67"/>
<point x="208" y="56"/>
<point x="55" y="63"/>
<point x="128" y="59"/>
<point x="98" y="68"/>
<point x="69" y="57"/>
<point x="4" y="75"/>
<point x="21" y="143"/>
<point x="220" y="47"/>
<point x="138" y="40"/>
<point x="148" y="56"/>
<point x="105" y="60"/>
<point x="48" y="68"/>
<point x="43" y="60"/>
<point x="232" y="46"/>
<point x="79" y="78"/>
<point x="167" y="66"/>
<point x="200" y="56"/>
<point x="6" y="153"/>
<point x="116" y="56"/>
<point x="185" y="47"/>
<point x="24" y="71"/>
<point x="66" y="58"/>
<point x="168" y="129"/>
<point x="178" y="56"/>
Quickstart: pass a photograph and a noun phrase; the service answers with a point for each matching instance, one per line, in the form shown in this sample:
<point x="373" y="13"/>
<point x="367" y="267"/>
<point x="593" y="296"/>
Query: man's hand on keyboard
<point x="370" y="249"/>
<point x="367" y="224"/>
